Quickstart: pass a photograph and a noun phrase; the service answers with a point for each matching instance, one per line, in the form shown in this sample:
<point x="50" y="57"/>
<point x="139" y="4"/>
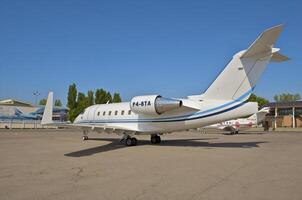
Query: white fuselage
<point x="120" y="116"/>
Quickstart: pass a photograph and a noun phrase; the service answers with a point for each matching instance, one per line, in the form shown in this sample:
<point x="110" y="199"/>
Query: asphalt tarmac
<point x="57" y="164"/>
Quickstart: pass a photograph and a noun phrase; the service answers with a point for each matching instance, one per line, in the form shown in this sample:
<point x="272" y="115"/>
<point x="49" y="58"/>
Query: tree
<point x="42" y="102"/>
<point x="108" y="98"/>
<point x="116" y="98"/>
<point x="261" y="101"/>
<point x="58" y="103"/>
<point x="78" y="101"/>
<point x="72" y="97"/>
<point x="82" y="103"/>
<point x="90" y="97"/>
<point x="100" y="96"/>
<point x="72" y="102"/>
<point x="287" y="97"/>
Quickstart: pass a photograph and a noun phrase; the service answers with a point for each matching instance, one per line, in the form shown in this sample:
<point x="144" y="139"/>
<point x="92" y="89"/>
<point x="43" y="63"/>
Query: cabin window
<point x="109" y="113"/>
<point x="122" y="113"/>
<point x="129" y="112"/>
<point x="98" y="113"/>
<point x="115" y="112"/>
<point x="104" y="113"/>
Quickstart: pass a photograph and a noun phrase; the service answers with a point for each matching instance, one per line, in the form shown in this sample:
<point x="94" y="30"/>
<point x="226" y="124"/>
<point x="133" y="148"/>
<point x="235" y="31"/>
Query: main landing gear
<point x="155" y="139"/>
<point x="129" y="141"/>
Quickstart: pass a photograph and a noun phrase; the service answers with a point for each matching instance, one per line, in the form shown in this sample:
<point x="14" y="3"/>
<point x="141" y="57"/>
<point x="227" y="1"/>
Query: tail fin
<point x="18" y="112"/>
<point x="240" y="76"/>
<point x="47" y="115"/>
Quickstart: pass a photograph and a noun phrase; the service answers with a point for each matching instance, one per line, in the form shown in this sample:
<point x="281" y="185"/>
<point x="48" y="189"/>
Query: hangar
<point x="284" y="114"/>
<point x="19" y="114"/>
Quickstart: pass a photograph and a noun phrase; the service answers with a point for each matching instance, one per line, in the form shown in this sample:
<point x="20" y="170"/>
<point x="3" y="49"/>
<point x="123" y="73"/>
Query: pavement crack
<point x="78" y="174"/>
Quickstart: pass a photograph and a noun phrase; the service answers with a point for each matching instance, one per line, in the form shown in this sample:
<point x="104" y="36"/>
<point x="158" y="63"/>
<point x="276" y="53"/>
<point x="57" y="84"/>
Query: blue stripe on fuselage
<point x="154" y="121"/>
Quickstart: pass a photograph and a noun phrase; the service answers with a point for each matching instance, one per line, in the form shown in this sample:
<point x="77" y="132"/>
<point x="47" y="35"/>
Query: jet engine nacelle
<point x="153" y="104"/>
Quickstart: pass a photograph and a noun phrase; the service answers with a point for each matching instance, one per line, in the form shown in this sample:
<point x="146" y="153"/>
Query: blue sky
<point x="172" y="48"/>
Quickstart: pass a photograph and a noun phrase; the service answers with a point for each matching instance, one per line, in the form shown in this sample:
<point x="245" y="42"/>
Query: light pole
<point x="36" y="94"/>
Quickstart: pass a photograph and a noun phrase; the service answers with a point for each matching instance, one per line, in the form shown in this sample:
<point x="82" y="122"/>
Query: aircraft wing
<point x="100" y="128"/>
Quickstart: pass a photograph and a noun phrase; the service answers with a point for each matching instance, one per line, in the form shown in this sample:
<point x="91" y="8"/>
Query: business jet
<point x="225" y="99"/>
<point x="236" y="125"/>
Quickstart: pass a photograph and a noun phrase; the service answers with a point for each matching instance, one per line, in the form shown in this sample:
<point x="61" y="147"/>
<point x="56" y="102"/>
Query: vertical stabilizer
<point x="47" y="115"/>
<point x="240" y="76"/>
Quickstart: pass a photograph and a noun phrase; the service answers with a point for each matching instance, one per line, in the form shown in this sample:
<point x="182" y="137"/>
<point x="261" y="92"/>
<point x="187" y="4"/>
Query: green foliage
<point x="83" y="102"/>
<point x="72" y="97"/>
<point x="100" y="96"/>
<point x="42" y="102"/>
<point x="108" y="98"/>
<point x="116" y="98"/>
<point x="77" y="102"/>
<point x="287" y="97"/>
<point x="58" y="103"/>
<point x="261" y="101"/>
<point x="90" y="97"/>
<point x="72" y="102"/>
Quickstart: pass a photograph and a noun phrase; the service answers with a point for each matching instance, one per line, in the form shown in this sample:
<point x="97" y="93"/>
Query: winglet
<point x="264" y="42"/>
<point x="47" y="115"/>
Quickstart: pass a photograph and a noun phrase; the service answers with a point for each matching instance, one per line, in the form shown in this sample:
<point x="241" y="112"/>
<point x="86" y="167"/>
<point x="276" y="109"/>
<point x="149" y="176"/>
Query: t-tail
<point x="241" y="74"/>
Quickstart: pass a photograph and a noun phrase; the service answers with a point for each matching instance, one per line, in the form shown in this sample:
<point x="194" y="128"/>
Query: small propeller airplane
<point x="154" y="115"/>
<point x="236" y="125"/>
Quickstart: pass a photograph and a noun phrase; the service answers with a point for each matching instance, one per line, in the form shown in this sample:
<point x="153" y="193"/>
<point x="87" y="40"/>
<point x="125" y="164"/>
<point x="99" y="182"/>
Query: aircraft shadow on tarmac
<point x="115" y="144"/>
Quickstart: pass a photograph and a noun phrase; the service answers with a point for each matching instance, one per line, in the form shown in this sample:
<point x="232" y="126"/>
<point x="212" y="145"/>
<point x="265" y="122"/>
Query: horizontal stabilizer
<point x="264" y="42"/>
<point x="277" y="57"/>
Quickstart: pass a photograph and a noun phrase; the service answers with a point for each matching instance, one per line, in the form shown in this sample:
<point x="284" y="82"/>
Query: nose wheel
<point x="85" y="135"/>
<point x="155" y="139"/>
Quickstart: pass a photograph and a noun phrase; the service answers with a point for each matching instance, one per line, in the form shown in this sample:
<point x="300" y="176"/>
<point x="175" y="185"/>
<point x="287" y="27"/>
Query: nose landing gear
<point x="85" y="135"/>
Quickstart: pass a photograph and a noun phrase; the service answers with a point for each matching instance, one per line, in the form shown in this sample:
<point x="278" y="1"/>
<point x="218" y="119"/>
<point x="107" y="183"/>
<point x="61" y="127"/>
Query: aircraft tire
<point x="133" y="141"/>
<point x="158" y="139"/>
<point x="153" y="139"/>
<point x="128" y="142"/>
